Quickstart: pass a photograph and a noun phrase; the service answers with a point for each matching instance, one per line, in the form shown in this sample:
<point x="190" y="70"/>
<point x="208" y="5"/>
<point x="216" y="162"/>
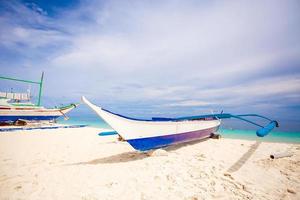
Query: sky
<point x="163" y="58"/>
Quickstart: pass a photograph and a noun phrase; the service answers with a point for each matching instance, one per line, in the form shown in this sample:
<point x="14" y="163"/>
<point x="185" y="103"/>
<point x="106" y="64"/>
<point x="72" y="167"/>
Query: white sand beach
<point x="76" y="163"/>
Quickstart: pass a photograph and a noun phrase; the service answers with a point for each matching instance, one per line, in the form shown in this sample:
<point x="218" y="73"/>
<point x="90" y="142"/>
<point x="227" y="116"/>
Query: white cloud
<point x="185" y="53"/>
<point x="189" y="103"/>
<point x="260" y="90"/>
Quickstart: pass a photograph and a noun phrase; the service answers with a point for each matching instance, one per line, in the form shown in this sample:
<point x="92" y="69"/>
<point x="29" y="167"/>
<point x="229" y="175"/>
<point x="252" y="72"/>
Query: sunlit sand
<point x="78" y="164"/>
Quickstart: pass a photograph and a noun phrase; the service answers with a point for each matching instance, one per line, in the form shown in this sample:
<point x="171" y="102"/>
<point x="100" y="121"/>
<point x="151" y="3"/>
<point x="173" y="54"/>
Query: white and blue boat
<point x="12" y="112"/>
<point x="17" y="106"/>
<point x="155" y="133"/>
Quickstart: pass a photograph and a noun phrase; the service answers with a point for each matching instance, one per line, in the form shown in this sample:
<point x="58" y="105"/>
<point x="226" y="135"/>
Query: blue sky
<point x="164" y="58"/>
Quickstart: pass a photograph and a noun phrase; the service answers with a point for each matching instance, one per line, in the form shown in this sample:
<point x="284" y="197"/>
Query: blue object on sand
<point x="108" y="133"/>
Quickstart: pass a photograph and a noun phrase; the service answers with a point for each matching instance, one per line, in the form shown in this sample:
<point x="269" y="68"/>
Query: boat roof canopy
<point x="15" y="96"/>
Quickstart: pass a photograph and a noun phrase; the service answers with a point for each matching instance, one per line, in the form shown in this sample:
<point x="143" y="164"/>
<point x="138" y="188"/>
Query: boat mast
<point x="40" y="90"/>
<point x="29" y="81"/>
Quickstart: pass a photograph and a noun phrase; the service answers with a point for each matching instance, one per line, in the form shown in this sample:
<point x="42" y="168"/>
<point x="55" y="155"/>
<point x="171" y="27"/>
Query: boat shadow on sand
<point x="134" y="155"/>
<point x="118" y="158"/>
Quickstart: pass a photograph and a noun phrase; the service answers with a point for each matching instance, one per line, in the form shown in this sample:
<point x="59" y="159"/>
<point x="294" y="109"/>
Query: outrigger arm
<point x="263" y="131"/>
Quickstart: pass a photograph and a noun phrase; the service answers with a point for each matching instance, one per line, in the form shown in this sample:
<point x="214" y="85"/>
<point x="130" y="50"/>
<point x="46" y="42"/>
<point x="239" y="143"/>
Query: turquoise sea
<point x="238" y="133"/>
<point x="274" y="136"/>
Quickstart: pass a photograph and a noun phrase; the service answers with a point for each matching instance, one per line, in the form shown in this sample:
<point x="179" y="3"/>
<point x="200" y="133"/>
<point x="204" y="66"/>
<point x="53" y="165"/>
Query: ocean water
<point x="247" y="134"/>
<point x="87" y="120"/>
<point x="274" y="136"/>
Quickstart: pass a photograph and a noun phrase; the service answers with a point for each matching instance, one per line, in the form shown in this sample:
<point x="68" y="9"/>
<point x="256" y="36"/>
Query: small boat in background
<point x="155" y="133"/>
<point x="17" y="106"/>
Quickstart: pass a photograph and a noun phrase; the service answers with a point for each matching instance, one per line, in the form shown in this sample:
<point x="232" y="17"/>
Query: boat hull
<point x="8" y="114"/>
<point x="144" y="144"/>
<point x="148" y="134"/>
<point x="37" y="118"/>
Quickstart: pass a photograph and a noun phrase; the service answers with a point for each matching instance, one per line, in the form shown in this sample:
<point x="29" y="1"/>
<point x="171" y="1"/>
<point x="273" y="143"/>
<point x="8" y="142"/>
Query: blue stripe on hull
<point x="15" y="118"/>
<point x="41" y="128"/>
<point x="144" y="144"/>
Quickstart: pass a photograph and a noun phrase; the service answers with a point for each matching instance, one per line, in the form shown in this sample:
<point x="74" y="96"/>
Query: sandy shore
<point x="78" y="164"/>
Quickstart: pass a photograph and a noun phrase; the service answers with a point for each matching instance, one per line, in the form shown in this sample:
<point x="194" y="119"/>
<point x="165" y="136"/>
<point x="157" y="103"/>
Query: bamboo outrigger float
<point x="17" y="106"/>
<point x="155" y="133"/>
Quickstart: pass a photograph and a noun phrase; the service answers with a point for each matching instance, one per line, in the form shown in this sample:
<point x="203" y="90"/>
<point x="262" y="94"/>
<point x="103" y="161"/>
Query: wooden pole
<point x="280" y="155"/>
